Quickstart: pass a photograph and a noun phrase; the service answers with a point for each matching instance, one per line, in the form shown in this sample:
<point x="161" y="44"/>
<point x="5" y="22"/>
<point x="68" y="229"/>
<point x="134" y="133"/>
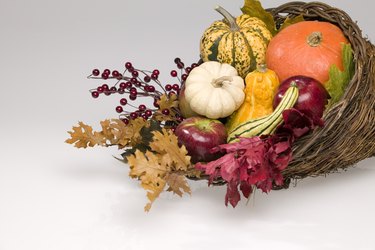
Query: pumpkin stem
<point x="314" y="39"/>
<point x="231" y="20"/>
<point x="219" y="82"/>
<point x="262" y="68"/>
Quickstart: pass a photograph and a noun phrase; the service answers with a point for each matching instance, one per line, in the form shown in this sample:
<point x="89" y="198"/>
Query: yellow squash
<point x="261" y="87"/>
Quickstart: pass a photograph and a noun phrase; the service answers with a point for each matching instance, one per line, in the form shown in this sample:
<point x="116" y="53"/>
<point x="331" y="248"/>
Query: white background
<point x="54" y="196"/>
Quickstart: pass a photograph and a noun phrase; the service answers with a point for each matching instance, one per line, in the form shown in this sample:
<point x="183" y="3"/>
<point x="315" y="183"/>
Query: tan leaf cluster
<point x="169" y="102"/>
<point x="165" y="165"/>
<point x="166" y="144"/>
<point x="114" y="132"/>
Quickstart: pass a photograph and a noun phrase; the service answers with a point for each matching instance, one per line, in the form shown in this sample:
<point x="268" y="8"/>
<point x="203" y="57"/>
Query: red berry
<point x="144" y="116"/>
<point x="147" y="78"/>
<point x="100" y="89"/>
<point x="128" y="65"/>
<point x="107" y="71"/>
<point x="126" y="121"/>
<point x="135" y="73"/>
<point x="95" y="72"/>
<point x="95" y="94"/>
<point x="177" y="60"/>
<point x="133" y="115"/>
<point x="113" y="89"/>
<point x="105" y="87"/>
<point x="150" y="89"/>
<point x="168" y="87"/>
<point x="142" y="107"/>
<point x="156" y="104"/>
<point x="133" y="80"/>
<point x="173" y="73"/>
<point x="154" y="76"/>
<point x="128" y="85"/>
<point x="123" y="101"/>
<point x="119" y="109"/>
<point x="105" y="76"/>
<point x="165" y="111"/>
<point x="148" y="113"/>
<point x="123" y="85"/>
<point x="121" y="91"/>
<point x="132" y="97"/>
<point x="188" y="69"/>
<point x="156" y="72"/>
<point x="133" y="91"/>
<point x="115" y="73"/>
<point x="194" y="65"/>
<point x="119" y="77"/>
<point x="176" y="87"/>
<point x="184" y="77"/>
<point x="180" y="65"/>
<point x="180" y="118"/>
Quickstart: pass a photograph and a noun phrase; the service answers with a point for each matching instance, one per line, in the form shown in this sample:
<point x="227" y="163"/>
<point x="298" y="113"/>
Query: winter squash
<point x="261" y="87"/>
<point x="306" y="48"/>
<point x="241" y="42"/>
<point x="214" y="90"/>
<point x="268" y="124"/>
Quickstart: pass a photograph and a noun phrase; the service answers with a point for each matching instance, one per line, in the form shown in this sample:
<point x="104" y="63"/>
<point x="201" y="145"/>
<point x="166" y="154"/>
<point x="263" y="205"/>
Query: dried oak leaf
<point x="177" y="184"/>
<point x="137" y="125"/>
<point x="107" y="130"/>
<point x="154" y="190"/>
<point x="166" y="164"/>
<point x="169" y="102"/>
<point x="114" y="132"/>
<point x="146" y="165"/>
<point x="165" y="143"/>
<point x="83" y="136"/>
<point x="147" y="168"/>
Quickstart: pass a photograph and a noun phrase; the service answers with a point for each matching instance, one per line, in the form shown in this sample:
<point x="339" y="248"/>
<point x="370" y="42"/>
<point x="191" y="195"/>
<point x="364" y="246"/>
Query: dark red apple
<point x="312" y="99"/>
<point x="199" y="135"/>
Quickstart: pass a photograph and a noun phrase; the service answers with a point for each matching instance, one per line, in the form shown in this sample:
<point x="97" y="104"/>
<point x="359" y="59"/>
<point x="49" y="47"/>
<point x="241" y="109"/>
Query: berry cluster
<point x="137" y="83"/>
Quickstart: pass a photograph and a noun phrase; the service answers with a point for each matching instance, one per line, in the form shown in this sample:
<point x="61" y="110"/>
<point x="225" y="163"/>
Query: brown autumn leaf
<point x="136" y="126"/>
<point x="167" y="163"/>
<point x="177" y="184"/>
<point x="154" y="189"/>
<point x="107" y="131"/>
<point x="145" y="165"/>
<point x="147" y="168"/>
<point x="166" y="144"/>
<point x="83" y="136"/>
<point x="169" y="102"/>
<point x="114" y="132"/>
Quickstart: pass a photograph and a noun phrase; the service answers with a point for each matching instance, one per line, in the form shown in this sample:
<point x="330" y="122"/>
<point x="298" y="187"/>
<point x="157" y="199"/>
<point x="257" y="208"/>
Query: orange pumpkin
<point x="306" y="48"/>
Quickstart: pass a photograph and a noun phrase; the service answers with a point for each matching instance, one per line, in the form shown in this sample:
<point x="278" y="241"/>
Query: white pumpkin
<point x="214" y="90"/>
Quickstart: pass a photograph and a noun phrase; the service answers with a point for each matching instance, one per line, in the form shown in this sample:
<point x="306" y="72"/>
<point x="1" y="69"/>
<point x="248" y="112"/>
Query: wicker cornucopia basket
<point x="154" y="144"/>
<point x="349" y="132"/>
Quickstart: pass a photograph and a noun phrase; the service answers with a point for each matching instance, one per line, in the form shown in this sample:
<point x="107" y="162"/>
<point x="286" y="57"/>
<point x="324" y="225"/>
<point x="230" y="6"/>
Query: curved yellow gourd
<point x="261" y="87"/>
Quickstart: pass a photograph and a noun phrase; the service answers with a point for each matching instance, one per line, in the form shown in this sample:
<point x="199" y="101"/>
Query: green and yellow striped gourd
<point x="268" y="124"/>
<point x="241" y="42"/>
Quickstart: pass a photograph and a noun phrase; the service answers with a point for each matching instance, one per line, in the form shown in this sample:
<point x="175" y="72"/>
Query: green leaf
<point x="254" y="8"/>
<point x="289" y="21"/>
<point x="338" y="80"/>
